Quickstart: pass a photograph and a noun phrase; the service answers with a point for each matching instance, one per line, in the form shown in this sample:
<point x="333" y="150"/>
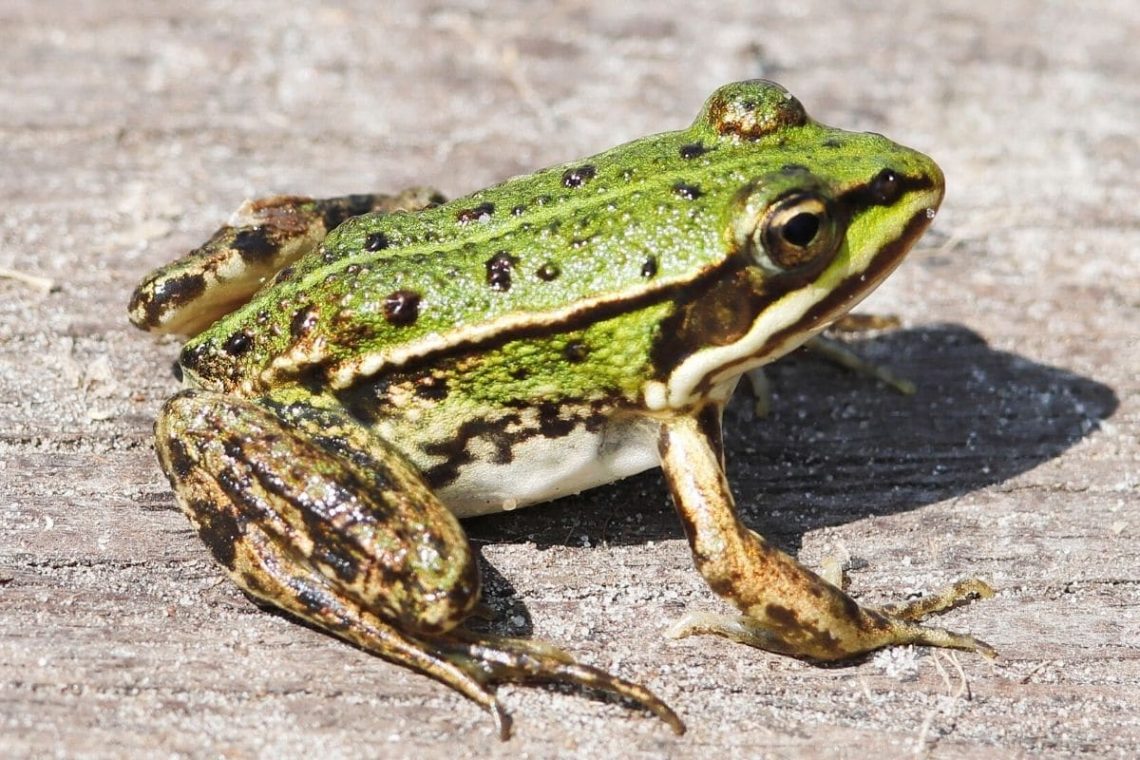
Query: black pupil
<point x="800" y="230"/>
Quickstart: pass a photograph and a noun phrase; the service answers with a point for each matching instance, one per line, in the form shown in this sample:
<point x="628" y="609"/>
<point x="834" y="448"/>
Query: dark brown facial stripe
<point x="879" y="266"/>
<point x="718" y="314"/>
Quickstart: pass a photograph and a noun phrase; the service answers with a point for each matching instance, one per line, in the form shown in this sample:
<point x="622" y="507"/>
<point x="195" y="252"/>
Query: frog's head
<point x="824" y="216"/>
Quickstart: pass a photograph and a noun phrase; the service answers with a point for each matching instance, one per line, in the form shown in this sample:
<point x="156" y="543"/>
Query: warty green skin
<point x="457" y="356"/>
<point x="597" y="225"/>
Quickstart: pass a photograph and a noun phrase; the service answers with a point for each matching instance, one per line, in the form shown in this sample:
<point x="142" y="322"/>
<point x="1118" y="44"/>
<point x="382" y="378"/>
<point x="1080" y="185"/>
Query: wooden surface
<point x="128" y="131"/>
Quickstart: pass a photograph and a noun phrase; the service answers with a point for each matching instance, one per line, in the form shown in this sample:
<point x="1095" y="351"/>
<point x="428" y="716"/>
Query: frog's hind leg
<point x="312" y="514"/>
<point x="263" y="237"/>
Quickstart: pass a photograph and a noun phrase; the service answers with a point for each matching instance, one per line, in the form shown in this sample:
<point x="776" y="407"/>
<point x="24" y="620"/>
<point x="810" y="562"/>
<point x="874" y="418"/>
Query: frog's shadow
<point x="838" y="448"/>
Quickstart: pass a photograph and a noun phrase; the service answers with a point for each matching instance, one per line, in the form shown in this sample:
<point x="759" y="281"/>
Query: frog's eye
<point x="797" y="230"/>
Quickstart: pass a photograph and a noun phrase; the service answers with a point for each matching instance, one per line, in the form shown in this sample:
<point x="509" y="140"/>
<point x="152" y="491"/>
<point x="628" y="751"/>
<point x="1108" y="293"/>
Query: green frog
<point x="364" y="371"/>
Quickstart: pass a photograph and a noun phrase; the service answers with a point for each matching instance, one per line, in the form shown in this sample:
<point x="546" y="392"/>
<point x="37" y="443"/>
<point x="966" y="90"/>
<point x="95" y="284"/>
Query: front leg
<point x="787" y="608"/>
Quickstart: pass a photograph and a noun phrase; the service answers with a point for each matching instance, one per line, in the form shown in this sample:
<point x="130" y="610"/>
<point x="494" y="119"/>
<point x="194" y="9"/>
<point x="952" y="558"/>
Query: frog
<point x="362" y="372"/>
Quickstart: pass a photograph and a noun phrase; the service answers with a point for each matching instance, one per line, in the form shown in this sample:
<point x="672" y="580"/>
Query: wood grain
<point x="129" y="131"/>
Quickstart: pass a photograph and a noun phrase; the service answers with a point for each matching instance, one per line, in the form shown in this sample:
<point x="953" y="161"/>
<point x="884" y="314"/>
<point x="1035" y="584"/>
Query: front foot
<point x="837" y="353"/>
<point x="843" y="628"/>
<point x="786" y="607"/>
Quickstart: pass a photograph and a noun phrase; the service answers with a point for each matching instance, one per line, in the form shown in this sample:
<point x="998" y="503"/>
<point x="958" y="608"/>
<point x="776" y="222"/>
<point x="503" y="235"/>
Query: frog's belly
<point x="544" y="468"/>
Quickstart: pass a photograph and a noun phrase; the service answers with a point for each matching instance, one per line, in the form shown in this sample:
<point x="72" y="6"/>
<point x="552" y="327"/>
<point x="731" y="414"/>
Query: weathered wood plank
<point x="126" y="134"/>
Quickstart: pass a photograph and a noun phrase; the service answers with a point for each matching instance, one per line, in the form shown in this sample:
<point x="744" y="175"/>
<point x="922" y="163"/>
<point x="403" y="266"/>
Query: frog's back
<point x="548" y="253"/>
<point x="541" y="253"/>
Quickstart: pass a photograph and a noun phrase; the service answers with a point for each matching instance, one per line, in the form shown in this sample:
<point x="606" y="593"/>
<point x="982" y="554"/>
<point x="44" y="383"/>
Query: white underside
<point x="542" y="468"/>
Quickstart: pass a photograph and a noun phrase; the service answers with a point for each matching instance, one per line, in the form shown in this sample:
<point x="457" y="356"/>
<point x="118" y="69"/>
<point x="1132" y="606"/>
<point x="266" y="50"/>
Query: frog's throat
<point x="799" y="314"/>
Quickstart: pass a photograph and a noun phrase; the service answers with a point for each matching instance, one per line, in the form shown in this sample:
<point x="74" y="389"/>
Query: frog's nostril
<point x="885" y="187"/>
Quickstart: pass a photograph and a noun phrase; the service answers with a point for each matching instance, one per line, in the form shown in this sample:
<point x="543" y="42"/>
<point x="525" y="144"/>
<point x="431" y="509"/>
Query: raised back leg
<point x="311" y="513"/>
<point x="263" y="237"/>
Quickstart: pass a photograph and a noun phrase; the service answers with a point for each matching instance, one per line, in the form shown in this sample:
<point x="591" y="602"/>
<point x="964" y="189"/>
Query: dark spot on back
<point x="518" y="210"/>
<point x="578" y="176"/>
<point x="499" y="269"/>
<point x="254" y="245"/>
<point x="649" y="267"/>
<point x="575" y="352"/>
<point x="548" y="271"/>
<point x="402" y="307"/>
<point x="687" y="191"/>
<point x="480" y="213"/>
<point x="693" y="150"/>
<point x="238" y="343"/>
<point x="377" y="241"/>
